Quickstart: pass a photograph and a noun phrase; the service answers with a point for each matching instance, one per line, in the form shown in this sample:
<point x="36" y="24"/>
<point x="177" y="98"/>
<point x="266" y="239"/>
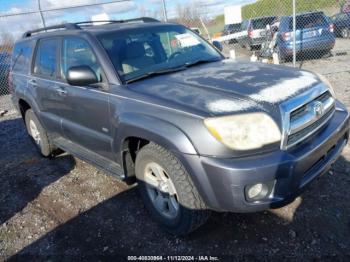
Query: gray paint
<point x="170" y="110"/>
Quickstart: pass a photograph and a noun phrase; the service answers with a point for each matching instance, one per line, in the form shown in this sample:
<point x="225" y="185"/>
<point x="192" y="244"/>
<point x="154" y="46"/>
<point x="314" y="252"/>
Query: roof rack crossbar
<point x="68" y="26"/>
<point x="72" y="26"/>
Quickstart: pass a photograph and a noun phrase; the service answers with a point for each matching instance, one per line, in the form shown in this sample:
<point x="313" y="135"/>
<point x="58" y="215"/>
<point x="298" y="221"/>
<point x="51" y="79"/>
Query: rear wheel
<point x="38" y="134"/>
<point x="168" y="192"/>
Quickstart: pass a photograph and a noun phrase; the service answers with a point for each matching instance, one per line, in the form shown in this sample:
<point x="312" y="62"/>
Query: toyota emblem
<point x="318" y="108"/>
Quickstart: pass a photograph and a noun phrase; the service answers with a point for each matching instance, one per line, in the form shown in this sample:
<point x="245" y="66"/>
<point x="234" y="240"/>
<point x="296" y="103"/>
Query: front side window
<point x="141" y="51"/>
<point x="46" y="58"/>
<point x="77" y="52"/>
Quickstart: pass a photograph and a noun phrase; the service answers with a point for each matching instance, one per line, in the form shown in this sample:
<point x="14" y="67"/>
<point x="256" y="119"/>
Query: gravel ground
<point x="63" y="208"/>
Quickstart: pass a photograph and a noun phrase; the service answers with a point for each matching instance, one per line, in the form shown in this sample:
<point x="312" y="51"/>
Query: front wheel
<point x="168" y="191"/>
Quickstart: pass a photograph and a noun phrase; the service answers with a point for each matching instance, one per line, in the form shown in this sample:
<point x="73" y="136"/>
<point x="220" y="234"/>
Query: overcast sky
<point x="121" y="10"/>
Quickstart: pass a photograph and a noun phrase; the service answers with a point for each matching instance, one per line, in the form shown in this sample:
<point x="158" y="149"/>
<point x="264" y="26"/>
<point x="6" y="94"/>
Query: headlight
<point x="244" y="131"/>
<point x="326" y="81"/>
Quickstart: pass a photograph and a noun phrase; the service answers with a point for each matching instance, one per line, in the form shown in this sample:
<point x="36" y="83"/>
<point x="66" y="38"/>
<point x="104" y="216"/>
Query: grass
<point x="279" y="8"/>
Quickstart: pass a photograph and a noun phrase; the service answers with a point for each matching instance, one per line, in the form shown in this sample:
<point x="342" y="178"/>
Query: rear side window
<point x="46" y="58"/>
<point x="21" y="57"/>
<point x="244" y="25"/>
<point x="309" y="21"/>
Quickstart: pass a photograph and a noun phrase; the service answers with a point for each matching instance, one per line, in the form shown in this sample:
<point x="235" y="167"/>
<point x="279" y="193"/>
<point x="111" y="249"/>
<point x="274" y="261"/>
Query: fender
<point x="152" y="129"/>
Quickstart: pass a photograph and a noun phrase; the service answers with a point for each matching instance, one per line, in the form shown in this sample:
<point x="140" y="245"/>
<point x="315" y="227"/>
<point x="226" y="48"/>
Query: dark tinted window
<point x="46" y="58"/>
<point x="232" y="27"/>
<point x="261" y="23"/>
<point x="310" y="21"/>
<point x="244" y="25"/>
<point x="21" y="57"/>
<point x="77" y="52"/>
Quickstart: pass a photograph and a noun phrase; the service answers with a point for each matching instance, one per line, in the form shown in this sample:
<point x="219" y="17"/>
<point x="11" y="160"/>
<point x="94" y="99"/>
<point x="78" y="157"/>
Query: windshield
<point x="141" y="51"/>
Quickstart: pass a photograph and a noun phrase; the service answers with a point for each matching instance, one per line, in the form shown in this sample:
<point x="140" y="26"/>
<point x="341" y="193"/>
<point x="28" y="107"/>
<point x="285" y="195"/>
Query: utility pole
<point x="294" y="34"/>
<point x="41" y="14"/>
<point x="164" y="11"/>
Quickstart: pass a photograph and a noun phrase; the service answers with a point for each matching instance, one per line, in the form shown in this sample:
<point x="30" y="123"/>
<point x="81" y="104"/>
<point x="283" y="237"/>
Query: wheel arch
<point x="136" y="130"/>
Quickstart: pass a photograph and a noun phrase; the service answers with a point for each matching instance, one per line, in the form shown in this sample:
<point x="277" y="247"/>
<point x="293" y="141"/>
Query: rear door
<point x="43" y="85"/>
<point x="86" y="119"/>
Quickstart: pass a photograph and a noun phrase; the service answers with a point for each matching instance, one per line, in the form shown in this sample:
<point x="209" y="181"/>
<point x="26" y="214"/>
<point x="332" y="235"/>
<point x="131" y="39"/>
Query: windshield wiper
<point x="201" y="61"/>
<point x="153" y="73"/>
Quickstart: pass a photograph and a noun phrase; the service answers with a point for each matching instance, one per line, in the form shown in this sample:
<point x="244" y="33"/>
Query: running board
<point x="90" y="157"/>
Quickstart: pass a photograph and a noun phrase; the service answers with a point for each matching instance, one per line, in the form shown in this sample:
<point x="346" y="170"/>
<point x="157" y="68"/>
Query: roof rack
<point x="77" y="26"/>
<point x="141" y="19"/>
<point x="68" y="26"/>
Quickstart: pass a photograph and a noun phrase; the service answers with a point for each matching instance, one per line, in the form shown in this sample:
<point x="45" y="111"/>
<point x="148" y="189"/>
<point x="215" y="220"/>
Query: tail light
<point x="286" y="36"/>
<point x="331" y="28"/>
<point x="250" y="32"/>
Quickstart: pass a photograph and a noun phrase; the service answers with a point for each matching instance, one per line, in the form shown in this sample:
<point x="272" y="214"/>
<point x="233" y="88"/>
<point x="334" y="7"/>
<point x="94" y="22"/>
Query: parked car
<point x="341" y="25"/>
<point x="5" y="61"/>
<point x="254" y="31"/>
<point x="232" y="29"/>
<point x="196" y="131"/>
<point x="314" y="33"/>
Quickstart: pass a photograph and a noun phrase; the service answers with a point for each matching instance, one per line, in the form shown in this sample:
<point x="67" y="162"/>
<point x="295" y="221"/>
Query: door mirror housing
<point x="81" y="76"/>
<point x="218" y="45"/>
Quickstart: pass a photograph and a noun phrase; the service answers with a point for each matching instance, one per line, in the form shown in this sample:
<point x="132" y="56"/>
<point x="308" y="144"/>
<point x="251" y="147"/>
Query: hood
<point x="227" y="87"/>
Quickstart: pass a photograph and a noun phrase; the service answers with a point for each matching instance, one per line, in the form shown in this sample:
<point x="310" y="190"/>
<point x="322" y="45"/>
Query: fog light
<point x="257" y="192"/>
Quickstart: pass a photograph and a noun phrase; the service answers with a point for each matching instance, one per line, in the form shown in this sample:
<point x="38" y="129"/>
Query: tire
<point x="191" y="211"/>
<point x="38" y="134"/>
<point x="345" y="33"/>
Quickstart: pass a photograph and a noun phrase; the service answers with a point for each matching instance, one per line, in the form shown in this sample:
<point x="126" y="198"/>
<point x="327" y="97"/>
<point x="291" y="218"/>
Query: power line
<point x="63" y="8"/>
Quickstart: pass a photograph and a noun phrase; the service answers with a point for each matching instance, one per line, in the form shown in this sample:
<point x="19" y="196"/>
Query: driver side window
<point x="77" y="52"/>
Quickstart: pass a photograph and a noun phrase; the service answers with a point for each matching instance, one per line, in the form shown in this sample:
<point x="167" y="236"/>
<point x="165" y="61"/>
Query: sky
<point x="121" y="10"/>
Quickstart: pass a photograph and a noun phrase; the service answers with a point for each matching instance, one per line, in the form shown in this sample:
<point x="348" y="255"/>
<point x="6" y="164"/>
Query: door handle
<point x="61" y="91"/>
<point x="33" y="82"/>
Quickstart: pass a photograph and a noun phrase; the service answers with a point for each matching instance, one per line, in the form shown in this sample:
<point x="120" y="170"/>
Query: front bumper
<point x="222" y="182"/>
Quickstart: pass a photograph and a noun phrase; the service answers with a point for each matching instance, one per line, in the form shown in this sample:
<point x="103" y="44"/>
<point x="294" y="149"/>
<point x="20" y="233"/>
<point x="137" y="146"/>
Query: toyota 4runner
<point x="156" y="104"/>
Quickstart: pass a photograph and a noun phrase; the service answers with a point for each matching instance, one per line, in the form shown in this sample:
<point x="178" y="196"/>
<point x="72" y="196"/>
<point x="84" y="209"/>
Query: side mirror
<point x="81" y="76"/>
<point x="218" y="45"/>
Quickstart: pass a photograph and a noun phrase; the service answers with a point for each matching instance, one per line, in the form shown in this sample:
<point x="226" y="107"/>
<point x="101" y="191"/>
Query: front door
<point x="86" y="120"/>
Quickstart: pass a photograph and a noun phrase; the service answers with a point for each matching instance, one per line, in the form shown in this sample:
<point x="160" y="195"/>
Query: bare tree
<point x="7" y="41"/>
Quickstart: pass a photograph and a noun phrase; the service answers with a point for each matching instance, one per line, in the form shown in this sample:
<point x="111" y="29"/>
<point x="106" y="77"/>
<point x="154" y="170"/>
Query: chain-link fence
<point x="290" y="32"/>
<point x="275" y="31"/>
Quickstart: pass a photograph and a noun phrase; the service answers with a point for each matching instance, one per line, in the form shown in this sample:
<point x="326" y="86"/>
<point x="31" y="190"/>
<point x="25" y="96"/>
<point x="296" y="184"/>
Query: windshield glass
<point x="141" y="51"/>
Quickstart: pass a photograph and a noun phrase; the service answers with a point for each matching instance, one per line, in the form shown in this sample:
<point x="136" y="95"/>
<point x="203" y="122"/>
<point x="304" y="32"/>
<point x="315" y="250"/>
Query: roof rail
<point x="68" y="26"/>
<point x="141" y="19"/>
<point x="71" y="26"/>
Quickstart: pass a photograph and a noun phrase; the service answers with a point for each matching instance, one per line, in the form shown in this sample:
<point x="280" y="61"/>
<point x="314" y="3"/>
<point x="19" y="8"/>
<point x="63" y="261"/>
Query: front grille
<point x="302" y="110"/>
<point x="292" y="139"/>
<point x="304" y="121"/>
